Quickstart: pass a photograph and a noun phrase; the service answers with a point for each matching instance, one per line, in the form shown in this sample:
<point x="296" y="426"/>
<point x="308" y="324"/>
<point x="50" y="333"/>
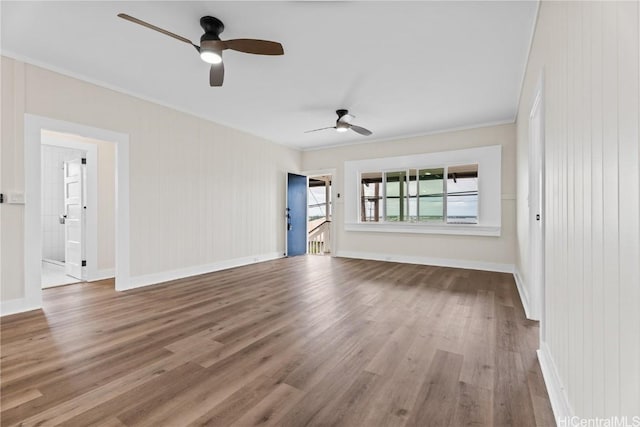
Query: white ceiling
<point x="402" y="68"/>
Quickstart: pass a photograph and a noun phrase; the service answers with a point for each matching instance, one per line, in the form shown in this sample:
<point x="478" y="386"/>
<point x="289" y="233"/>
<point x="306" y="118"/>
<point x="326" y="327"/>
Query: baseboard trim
<point x="557" y="393"/>
<point x="165" y="276"/>
<point x="524" y="295"/>
<point x="440" y="262"/>
<point x="18" y="305"/>
<point x="107" y="273"/>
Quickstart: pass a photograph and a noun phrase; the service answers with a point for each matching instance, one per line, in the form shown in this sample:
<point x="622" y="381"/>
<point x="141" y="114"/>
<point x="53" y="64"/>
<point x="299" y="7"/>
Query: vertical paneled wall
<point x="200" y="193"/>
<point x="589" y="55"/>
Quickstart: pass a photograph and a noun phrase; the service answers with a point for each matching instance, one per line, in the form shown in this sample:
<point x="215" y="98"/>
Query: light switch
<point x="15" y="198"/>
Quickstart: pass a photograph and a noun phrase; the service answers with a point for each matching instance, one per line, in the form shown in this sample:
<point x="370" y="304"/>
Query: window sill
<point x="456" y="229"/>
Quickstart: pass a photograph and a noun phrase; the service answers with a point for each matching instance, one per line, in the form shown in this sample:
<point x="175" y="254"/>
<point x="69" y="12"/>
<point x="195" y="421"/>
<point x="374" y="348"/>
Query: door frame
<point x="537" y="232"/>
<point x="334" y="235"/>
<point x="90" y="272"/>
<point x="33" y="127"/>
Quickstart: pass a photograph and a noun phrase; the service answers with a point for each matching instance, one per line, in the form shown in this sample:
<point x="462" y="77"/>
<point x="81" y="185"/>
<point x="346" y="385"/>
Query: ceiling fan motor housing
<point x="342" y="125"/>
<point x="212" y="28"/>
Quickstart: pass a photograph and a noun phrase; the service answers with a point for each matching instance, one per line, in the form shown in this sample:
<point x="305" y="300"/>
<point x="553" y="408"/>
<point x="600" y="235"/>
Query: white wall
<point x="589" y="52"/>
<point x="201" y="194"/>
<point x="52" y="163"/>
<point x="478" y="251"/>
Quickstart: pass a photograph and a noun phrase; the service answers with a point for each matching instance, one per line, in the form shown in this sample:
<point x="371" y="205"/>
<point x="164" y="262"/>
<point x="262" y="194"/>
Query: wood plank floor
<point x="291" y="342"/>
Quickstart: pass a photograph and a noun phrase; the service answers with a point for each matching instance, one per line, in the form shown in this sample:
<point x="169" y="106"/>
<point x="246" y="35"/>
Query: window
<point x="455" y="192"/>
<point x="420" y="195"/>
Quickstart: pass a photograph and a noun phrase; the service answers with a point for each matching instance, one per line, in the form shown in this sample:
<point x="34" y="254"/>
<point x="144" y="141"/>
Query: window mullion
<point x="362" y="204"/>
<point x="417" y="194"/>
<point x="384" y="197"/>
<point x="402" y="195"/>
<point x="444" y="193"/>
<point x="407" y="216"/>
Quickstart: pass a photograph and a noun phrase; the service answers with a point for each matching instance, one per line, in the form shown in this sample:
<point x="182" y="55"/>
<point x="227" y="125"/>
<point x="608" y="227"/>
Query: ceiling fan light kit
<point x="210" y="56"/>
<point x="211" y="46"/>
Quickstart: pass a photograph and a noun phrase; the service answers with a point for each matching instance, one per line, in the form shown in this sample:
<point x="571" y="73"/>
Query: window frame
<point x="406" y="197"/>
<point x="487" y="158"/>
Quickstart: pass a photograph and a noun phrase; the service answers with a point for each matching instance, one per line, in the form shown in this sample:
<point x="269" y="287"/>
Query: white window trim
<point x="489" y="161"/>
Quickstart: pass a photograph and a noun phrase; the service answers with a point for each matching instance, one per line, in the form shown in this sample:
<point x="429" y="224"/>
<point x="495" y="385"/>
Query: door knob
<point x="62" y="218"/>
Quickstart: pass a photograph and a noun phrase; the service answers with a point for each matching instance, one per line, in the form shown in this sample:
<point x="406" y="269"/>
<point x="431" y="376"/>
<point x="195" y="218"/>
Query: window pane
<point x="371" y="197"/>
<point x="430" y="194"/>
<point x="396" y="196"/>
<point x="316" y="200"/>
<point x="462" y="194"/>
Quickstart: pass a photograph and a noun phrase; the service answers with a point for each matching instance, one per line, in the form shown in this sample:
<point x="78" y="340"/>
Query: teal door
<point x="296" y="214"/>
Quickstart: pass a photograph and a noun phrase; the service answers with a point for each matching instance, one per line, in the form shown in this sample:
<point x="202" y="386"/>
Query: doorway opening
<point x="78" y="178"/>
<point x="36" y="131"/>
<point x="319" y="215"/>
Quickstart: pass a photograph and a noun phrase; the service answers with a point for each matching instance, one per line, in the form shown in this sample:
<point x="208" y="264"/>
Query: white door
<point x="74" y="211"/>
<point x="536" y="208"/>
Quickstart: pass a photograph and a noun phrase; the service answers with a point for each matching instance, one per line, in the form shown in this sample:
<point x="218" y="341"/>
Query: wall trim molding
<point x="406" y="137"/>
<point x="421" y="228"/>
<point x="181" y="273"/>
<point x="106" y="273"/>
<point x="522" y="291"/>
<point x="534" y="29"/>
<point x="439" y="262"/>
<point x="557" y="393"/>
<point x="83" y="78"/>
<point x="18" y="305"/>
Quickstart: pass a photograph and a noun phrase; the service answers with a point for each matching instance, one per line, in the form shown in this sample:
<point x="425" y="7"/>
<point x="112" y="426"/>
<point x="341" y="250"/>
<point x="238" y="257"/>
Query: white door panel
<point x="74" y="222"/>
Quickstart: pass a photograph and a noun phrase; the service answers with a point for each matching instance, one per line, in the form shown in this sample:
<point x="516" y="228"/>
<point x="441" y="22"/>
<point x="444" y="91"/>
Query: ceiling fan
<point x="343" y="124"/>
<point x="211" y="46"/>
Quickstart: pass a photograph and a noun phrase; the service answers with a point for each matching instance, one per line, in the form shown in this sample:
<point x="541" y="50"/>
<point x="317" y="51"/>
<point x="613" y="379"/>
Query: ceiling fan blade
<point x="258" y="47"/>
<point x="153" y="27"/>
<point x="316" y="130"/>
<point x="347" y="118"/>
<point x="216" y="75"/>
<point x="360" y="130"/>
